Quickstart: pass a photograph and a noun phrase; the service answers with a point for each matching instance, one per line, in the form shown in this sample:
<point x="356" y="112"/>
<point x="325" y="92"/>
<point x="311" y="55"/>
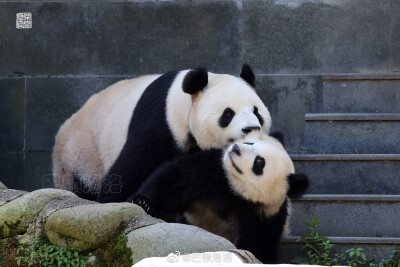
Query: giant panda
<point x="107" y="148"/>
<point x="246" y="187"/>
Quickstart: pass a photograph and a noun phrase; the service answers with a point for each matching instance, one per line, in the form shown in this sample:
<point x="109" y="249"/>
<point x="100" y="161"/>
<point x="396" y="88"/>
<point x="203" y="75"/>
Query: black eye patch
<point x="260" y="119"/>
<point x="226" y="117"/>
<point x="258" y="165"/>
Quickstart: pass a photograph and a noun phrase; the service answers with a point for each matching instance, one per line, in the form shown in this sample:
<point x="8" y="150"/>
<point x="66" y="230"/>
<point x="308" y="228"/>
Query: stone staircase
<point x="352" y="157"/>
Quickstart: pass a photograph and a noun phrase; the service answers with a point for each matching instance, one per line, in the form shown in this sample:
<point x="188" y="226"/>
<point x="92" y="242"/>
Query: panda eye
<point x="228" y="113"/>
<point x="258" y="165"/>
<point x="226" y="117"/>
<point x="260" y="162"/>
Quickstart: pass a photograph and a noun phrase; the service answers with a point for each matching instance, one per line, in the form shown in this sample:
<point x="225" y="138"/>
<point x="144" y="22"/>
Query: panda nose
<point x="236" y="149"/>
<point x="247" y="130"/>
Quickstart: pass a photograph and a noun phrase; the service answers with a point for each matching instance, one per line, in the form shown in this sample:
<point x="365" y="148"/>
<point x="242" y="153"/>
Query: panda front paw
<point x="143" y="202"/>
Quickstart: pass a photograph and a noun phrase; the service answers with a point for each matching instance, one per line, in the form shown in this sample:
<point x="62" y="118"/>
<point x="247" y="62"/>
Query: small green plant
<point x="318" y="247"/>
<point x="318" y="251"/>
<point x="358" y="258"/>
<point x="41" y="252"/>
<point x="392" y="261"/>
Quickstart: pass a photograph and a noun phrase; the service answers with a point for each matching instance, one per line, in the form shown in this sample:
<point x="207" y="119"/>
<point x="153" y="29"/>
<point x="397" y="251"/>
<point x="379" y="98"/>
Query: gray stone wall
<point x="77" y="48"/>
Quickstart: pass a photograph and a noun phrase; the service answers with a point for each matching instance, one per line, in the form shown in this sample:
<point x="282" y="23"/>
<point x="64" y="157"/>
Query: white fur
<point x="269" y="188"/>
<point x="286" y="228"/>
<point x="88" y="143"/>
<point x="179" y="105"/>
<point x="225" y="91"/>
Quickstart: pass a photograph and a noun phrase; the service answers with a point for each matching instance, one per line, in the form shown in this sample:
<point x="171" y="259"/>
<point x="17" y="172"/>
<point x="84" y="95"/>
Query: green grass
<point x="318" y="252"/>
<point x="40" y="252"/>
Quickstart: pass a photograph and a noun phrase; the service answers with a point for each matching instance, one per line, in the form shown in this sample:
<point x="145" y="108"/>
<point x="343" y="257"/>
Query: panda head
<point x="224" y="108"/>
<point x="260" y="170"/>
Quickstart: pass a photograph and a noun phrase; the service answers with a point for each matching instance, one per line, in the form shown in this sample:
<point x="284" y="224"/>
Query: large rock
<point x="2" y="186"/>
<point x="139" y="221"/>
<point x="89" y="226"/>
<point x="8" y="195"/>
<point x="160" y="239"/>
<point x="37" y="226"/>
<point x="16" y="215"/>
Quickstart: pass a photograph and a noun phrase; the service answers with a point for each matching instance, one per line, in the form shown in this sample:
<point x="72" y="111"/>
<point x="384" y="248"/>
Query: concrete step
<point x="357" y="93"/>
<point x="350" y="173"/>
<point x="349" y="133"/>
<point x="374" y="247"/>
<point x="348" y="215"/>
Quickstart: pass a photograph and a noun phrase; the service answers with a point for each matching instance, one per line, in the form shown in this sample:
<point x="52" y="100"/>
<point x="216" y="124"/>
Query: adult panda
<point x="246" y="189"/>
<point x="123" y="133"/>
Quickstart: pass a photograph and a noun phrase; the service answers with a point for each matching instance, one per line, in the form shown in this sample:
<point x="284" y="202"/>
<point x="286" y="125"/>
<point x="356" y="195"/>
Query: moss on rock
<point x="89" y="226"/>
<point x="114" y="253"/>
<point x="16" y="215"/>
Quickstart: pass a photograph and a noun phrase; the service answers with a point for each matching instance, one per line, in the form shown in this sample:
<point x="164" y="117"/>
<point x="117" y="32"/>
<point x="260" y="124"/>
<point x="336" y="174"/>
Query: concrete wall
<point x="77" y="48"/>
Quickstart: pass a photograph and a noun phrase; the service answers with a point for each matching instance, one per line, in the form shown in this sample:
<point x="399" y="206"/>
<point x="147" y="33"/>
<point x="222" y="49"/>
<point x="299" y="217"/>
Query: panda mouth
<point x="234" y="165"/>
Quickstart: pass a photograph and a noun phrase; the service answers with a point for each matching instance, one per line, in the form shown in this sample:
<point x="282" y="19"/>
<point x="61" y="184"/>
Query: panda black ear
<point x="298" y="185"/>
<point x="278" y="135"/>
<point x="195" y="81"/>
<point x="248" y="75"/>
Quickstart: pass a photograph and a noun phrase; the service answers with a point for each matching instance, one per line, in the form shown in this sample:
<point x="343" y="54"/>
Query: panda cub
<point x="246" y="186"/>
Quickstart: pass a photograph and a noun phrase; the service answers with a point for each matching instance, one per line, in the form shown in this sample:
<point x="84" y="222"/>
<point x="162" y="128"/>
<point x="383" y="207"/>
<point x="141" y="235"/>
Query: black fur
<point x="258" y="165"/>
<point x="247" y="74"/>
<point x="278" y="135"/>
<point x="82" y="190"/>
<point x="298" y="185"/>
<point x="176" y="185"/>
<point x="149" y="143"/>
<point x="259" y="117"/>
<point x="226" y="117"/>
<point x="191" y="145"/>
<point x="195" y="81"/>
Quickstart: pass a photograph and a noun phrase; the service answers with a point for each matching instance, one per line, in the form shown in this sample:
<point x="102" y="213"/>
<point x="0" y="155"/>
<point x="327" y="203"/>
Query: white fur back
<point x="88" y="143"/>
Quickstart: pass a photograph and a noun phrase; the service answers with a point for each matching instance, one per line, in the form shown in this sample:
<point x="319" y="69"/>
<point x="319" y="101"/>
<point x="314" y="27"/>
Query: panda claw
<point x="142" y="203"/>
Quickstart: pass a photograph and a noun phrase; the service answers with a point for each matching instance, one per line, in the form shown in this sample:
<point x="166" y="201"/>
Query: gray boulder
<point x="139" y="221"/>
<point x="37" y="226"/>
<point x="8" y="195"/>
<point x="16" y="215"/>
<point x="2" y="186"/>
<point x="161" y="239"/>
<point x="89" y="226"/>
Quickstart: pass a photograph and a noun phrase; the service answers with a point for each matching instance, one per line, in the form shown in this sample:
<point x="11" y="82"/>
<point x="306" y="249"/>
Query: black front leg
<point x="261" y="235"/>
<point x="175" y="185"/>
<point x="162" y="194"/>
